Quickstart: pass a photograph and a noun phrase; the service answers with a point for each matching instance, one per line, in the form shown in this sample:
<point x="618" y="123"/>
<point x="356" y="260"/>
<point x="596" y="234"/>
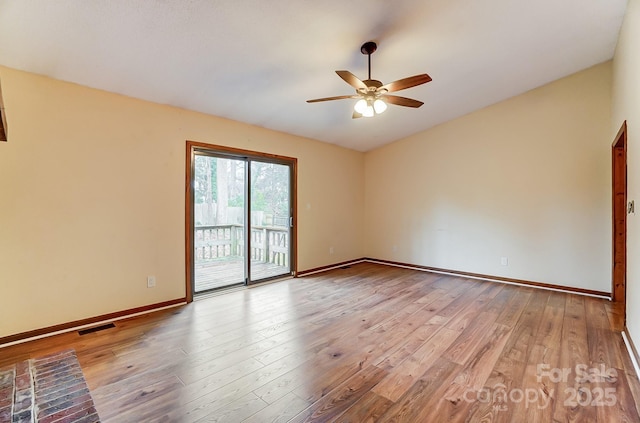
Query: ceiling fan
<point x="372" y="94"/>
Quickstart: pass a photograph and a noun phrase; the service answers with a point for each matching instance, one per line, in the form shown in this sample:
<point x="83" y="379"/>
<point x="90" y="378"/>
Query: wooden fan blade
<point x="402" y="101"/>
<point x="351" y="79"/>
<point x="356" y="115"/>
<point x="340" y="97"/>
<point x="405" y="83"/>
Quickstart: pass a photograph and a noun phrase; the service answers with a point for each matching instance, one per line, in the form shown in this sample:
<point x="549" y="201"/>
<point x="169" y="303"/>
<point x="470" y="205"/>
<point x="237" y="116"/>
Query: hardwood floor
<point x="364" y="344"/>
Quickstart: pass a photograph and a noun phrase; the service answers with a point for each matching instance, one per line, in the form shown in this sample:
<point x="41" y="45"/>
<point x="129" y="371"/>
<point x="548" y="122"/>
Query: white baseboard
<point x="628" y="343"/>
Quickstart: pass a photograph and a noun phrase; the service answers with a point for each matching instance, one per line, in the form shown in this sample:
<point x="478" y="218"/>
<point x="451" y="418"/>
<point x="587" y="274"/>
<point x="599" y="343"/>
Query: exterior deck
<point x="229" y="271"/>
<point x="219" y="254"/>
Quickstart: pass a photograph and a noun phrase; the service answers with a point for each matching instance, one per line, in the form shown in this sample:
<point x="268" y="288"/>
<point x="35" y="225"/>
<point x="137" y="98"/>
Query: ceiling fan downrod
<point x="369" y="48"/>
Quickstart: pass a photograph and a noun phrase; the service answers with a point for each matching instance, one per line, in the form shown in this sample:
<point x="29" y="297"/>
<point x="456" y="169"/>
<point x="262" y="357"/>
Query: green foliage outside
<point x="269" y="184"/>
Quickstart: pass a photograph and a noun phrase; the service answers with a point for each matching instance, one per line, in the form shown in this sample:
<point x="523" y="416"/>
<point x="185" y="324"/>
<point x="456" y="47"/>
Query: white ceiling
<point x="257" y="61"/>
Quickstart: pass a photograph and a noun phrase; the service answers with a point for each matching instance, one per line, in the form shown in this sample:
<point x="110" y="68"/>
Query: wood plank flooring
<point x="368" y="343"/>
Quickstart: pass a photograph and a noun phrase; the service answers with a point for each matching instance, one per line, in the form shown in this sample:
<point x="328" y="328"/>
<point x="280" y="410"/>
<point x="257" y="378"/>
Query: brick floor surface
<point x="49" y="389"/>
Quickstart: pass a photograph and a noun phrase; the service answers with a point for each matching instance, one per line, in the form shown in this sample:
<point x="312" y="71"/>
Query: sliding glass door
<point x="270" y="219"/>
<point x="241" y="218"/>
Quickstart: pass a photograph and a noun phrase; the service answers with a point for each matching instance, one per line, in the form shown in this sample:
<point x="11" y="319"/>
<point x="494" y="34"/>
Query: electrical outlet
<point x="330" y="250"/>
<point x="394" y="248"/>
<point x="504" y="261"/>
<point x="151" y="281"/>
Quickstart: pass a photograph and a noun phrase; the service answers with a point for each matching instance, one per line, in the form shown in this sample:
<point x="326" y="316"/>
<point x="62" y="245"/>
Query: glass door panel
<point x="270" y="243"/>
<point x="218" y="222"/>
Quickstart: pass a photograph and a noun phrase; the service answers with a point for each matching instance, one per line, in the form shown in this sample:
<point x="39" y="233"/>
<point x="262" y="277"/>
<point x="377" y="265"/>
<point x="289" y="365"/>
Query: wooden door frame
<point x="192" y="146"/>
<point x="3" y="120"/>
<point x="619" y="216"/>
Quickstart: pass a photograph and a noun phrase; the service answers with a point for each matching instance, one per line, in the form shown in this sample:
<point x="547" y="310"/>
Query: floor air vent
<point x="96" y="329"/>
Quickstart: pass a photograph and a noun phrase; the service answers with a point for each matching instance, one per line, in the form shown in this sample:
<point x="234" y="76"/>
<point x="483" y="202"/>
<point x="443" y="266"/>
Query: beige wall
<point x="92" y="193"/>
<point x="626" y="106"/>
<point x="92" y="199"/>
<point x="527" y="179"/>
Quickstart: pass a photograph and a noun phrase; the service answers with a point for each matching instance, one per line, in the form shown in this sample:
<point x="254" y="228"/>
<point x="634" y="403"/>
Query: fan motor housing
<point x="372" y="87"/>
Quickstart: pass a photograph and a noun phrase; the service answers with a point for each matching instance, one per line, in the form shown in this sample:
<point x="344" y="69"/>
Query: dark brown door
<point x="619" y="190"/>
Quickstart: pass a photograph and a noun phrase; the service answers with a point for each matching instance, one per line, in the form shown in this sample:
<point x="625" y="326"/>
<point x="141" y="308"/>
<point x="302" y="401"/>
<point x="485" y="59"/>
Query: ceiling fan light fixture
<point x="361" y="106"/>
<point x="379" y="106"/>
<point x="369" y="107"/>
